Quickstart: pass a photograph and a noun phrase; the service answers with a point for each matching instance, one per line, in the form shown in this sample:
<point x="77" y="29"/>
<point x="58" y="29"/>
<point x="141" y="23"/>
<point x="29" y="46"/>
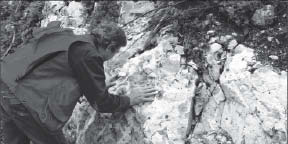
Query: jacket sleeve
<point x="89" y="72"/>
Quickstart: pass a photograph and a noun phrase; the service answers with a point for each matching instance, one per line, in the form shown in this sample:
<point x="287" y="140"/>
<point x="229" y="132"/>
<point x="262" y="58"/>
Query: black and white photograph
<point x="143" y="71"/>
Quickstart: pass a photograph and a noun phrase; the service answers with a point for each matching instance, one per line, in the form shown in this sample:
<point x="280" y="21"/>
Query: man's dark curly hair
<point x="109" y="35"/>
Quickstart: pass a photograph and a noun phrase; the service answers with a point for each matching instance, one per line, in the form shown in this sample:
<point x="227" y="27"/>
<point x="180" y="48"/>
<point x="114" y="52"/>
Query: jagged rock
<point x="238" y="106"/>
<point x="224" y="39"/>
<point x="274" y="57"/>
<point x="179" y="49"/>
<point x="255" y="110"/>
<point x="131" y="9"/>
<point x="160" y="124"/>
<point x="76" y="124"/>
<point x="232" y="44"/>
<point x="214" y="58"/>
<point x="71" y="16"/>
<point x="249" y="107"/>
<point x="218" y="95"/>
<point x="264" y="16"/>
<point x="165" y="119"/>
<point x="213" y="40"/>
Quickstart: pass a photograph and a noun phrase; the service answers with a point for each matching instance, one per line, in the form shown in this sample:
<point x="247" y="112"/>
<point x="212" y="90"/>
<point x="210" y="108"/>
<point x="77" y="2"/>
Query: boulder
<point x="162" y="121"/>
<point x="264" y="16"/>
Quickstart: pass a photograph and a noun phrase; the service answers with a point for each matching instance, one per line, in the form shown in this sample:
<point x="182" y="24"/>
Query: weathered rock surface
<point x="255" y="106"/>
<point x="71" y="16"/>
<point x="162" y="121"/>
<point x="264" y="16"/>
<point x="165" y="119"/>
<point x="245" y="102"/>
<point x="256" y="101"/>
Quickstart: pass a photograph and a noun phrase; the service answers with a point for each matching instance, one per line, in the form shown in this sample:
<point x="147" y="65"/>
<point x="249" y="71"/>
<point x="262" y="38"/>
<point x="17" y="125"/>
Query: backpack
<point x="17" y="65"/>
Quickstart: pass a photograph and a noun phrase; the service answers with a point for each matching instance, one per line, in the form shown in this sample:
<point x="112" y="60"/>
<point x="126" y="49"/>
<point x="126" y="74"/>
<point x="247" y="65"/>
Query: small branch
<point x="14" y="34"/>
<point x="20" y="3"/>
<point x="11" y="44"/>
<point x="151" y="11"/>
<point x="151" y="36"/>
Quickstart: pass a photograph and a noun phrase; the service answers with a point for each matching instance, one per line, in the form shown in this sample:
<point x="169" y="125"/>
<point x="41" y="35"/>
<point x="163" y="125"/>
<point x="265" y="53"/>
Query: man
<point x="51" y="72"/>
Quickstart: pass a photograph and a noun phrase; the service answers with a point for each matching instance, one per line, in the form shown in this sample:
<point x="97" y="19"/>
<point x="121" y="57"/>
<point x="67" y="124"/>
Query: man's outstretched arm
<point x="89" y="72"/>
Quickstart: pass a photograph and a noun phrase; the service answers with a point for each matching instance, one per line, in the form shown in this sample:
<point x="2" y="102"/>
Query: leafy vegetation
<point x="18" y="19"/>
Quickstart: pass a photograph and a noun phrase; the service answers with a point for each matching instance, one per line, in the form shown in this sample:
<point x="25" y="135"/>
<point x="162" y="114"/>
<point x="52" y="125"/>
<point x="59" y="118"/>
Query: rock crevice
<point x="238" y="105"/>
<point x="236" y="99"/>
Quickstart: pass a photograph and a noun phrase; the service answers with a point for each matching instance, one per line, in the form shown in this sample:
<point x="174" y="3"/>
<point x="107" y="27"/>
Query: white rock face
<point x="248" y="105"/>
<point x="255" y="109"/>
<point x="166" y="118"/>
<point x="256" y="101"/>
<point x="264" y="16"/>
<point x="71" y="16"/>
<point x="130" y="9"/>
<point x="162" y="121"/>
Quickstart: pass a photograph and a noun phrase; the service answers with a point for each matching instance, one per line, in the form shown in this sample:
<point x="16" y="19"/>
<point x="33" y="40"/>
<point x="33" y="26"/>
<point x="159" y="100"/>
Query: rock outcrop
<point x="163" y="120"/>
<point x="241" y="101"/>
<point x="256" y="100"/>
<point x="248" y="104"/>
<point x="264" y="16"/>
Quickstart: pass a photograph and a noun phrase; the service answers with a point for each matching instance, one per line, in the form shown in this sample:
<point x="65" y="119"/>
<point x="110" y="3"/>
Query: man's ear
<point x="113" y="46"/>
<point x="105" y="42"/>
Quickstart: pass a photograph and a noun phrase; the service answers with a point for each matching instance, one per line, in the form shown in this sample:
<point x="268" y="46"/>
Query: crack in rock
<point x="238" y="100"/>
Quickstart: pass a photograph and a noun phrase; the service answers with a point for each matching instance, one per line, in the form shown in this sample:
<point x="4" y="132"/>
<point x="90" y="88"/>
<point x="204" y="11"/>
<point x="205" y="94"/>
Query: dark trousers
<point x="20" y="126"/>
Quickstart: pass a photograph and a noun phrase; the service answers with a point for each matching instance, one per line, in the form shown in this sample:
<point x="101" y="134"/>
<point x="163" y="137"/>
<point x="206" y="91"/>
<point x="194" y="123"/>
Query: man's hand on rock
<point x="112" y="81"/>
<point x="142" y="94"/>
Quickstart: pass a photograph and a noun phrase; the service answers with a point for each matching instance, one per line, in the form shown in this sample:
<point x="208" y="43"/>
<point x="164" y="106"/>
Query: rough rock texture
<point x="162" y="121"/>
<point x="240" y="100"/>
<point x="71" y="16"/>
<point x="256" y="100"/>
<point x="249" y="105"/>
<point x="264" y="16"/>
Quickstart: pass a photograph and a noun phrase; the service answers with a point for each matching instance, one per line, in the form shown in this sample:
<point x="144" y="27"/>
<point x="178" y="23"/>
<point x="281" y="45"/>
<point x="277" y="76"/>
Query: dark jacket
<point x="41" y="76"/>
